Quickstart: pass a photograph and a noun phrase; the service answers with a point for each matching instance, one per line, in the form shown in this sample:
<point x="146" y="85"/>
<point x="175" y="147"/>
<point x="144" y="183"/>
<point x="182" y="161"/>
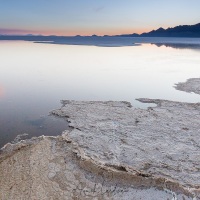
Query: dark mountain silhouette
<point x="178" y="31"/>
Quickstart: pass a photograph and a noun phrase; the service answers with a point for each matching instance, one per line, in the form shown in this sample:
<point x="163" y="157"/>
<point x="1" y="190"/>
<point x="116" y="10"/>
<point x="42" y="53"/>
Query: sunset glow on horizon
<point x="73" y="32"/>
<point x="69" y="18"/>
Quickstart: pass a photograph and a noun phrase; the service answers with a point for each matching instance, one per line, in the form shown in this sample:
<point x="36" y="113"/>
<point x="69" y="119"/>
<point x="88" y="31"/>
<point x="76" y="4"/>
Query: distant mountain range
<point x="192" y="31"/>
<point x="178" y="31"/>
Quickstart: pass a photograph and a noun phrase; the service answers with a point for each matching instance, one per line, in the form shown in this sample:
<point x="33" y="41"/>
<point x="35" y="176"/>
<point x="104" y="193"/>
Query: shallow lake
<point x="34" y="77"/>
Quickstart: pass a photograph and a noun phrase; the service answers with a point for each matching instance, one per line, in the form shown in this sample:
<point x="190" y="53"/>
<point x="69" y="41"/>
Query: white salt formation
<point x="111" y="151"/>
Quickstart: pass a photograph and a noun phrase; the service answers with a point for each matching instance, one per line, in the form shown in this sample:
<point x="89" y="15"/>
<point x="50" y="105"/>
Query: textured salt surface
<point x="112" y="151"/>
<point x="191" y="85"/>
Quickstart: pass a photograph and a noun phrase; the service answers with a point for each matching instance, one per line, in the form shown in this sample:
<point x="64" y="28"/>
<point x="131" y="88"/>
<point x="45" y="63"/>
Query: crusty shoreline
<point x="112" y="151"/>
<point x="191" y="85"/>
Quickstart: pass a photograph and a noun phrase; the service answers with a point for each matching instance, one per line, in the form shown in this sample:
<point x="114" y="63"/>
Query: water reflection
<point x="179" y="46"/>
<point x="93" y="41"/>
<point x="37" y="76"/>
<point x="11" y="128"/>
<point x="1" y="91"/>
<point x="38" y="123"/>
<point x="178" y="43"/>
<point x="108" y="41"/>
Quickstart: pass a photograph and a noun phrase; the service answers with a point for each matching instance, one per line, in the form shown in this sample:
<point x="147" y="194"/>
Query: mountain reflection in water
<point x="179" y="45"/>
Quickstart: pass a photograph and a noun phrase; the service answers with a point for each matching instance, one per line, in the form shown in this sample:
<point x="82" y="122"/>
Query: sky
<point x="88" y="17"/>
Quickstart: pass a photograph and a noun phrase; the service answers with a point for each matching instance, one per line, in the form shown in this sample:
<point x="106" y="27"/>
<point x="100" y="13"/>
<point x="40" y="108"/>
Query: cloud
<point x="7" y="31"/>
<point x="99" y="9"/>
<point x="11" y="31"/>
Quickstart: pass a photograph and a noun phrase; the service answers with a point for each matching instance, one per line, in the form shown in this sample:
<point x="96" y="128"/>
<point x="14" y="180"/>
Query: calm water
<point x="35" y="77"/>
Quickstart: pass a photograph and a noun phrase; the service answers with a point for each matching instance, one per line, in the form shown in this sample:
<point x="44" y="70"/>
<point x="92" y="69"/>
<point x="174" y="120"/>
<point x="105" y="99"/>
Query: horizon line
<point x="92" y="35"/>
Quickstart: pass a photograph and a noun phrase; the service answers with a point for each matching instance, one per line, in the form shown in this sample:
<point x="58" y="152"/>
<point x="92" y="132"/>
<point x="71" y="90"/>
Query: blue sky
<point x="87" y="17"/>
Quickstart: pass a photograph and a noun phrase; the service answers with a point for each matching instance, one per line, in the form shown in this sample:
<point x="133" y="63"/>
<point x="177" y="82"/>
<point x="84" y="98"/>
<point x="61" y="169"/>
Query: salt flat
<point x="111" y="151"/>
